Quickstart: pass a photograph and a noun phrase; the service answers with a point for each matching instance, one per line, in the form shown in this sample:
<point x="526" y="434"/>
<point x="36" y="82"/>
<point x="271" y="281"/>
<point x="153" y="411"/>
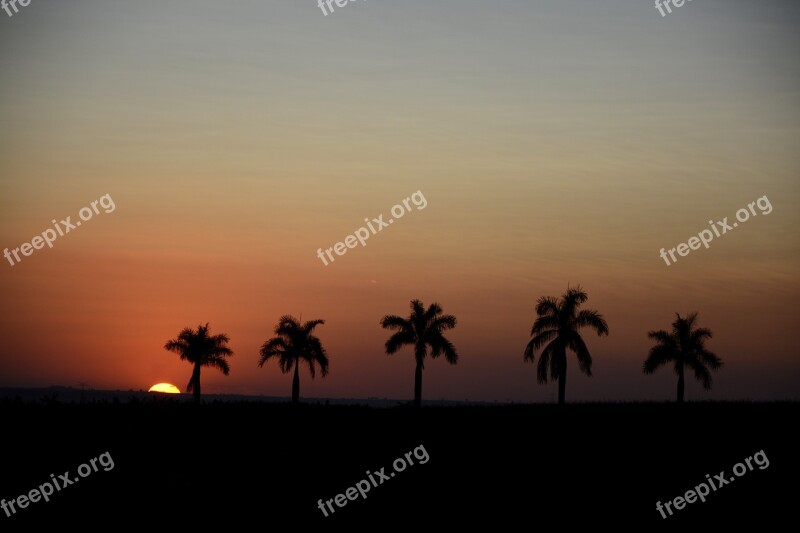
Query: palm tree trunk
<point x="562" y="380"/>
<point x="296" y="382"/>
<point x="418" y="384"/>
<point x="680" y="383"/>
<point x="196" y="382"/>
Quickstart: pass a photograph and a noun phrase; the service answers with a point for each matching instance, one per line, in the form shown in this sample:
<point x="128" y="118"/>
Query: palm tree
<point x="201" y="349"/>
<point x="421" y="329"/>
<point x="557" y="327"/>
<point x="685" y="346"/>
<point x="292" y="344"/>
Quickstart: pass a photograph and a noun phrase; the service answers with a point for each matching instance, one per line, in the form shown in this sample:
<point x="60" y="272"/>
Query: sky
<point x="555" y="143"/>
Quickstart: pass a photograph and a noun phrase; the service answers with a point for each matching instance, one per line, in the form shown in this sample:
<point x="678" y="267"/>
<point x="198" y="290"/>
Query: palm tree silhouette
<point x="557" y="326"/>
<point x="201" y="349"/>
<point x="422" y="329"/>
<point x="292" y="344"/>
<point x="685" y="346"/>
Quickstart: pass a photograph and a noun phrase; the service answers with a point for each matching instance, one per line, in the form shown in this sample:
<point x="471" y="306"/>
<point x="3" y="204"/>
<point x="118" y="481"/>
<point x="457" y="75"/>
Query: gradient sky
<point x="556" y="142"/>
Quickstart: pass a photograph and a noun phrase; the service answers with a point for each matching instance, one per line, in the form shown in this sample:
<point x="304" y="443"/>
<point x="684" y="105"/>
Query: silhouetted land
<point x="237" y="463"/>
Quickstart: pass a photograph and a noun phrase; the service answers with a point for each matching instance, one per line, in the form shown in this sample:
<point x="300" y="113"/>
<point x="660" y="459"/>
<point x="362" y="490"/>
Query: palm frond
<point x="440" y="346"/>
<point x="577" y="345"/>
<point x="274" y="347"/>
<point x="287" y="325"/>
<point x="417" y="308"/>
<point x="217" y="349"/>
<point x="576" y="295"/>
<point x="179" y="347"/>
<point x="709" y="358"/>
<point x="442" y="323"/>
<point x="544" y="323"/>
<point x="286" y="363"/>
<point x="547" y="306"/>
<point x="546" y="361"/>
<point x="309" y="326"/>
<point x="316" y="353"/>
<point x="542" y="338"/>
<point x="659" y="355"/>
<point x="311" y="367"/>
<point x="396" y="322"/>
<point x="661" y="336"/>
<point x="701" y="373"/>
<point x="433" y="310"/>
<point x="592" y="319"/>
<point x="571" y="300"/>
<point x="219" y="363"/>
<point x="398" y="340"/>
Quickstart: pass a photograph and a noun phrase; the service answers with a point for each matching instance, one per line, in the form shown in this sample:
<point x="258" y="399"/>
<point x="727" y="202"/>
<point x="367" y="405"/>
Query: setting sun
<point x="165" y="387"/>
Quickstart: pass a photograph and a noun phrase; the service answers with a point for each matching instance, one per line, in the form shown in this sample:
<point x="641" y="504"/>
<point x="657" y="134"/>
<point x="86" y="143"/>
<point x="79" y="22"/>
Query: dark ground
<point x="248" y="466"/>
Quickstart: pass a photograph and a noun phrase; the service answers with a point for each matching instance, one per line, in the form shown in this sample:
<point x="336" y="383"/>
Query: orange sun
<point x="165" y="387"/>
